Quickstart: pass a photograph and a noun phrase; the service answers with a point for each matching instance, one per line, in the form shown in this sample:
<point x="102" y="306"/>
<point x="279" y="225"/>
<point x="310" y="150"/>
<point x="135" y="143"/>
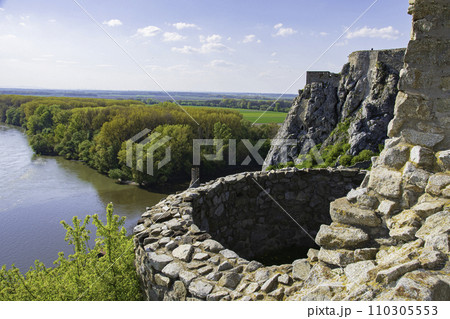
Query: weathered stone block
<point x="420" y="138"/>
<point x="434" y="225"/>
<point x="422" y="157"/>
<point x="183" y="252"/>
<point x="172" y="270"/>
<point x="389" y="275"/>
<point x="230" y="280"/>
<point x="313" y="255"/>
<point x="432" y="259"/>
<point x="415" y="178"/>
<point x="301" y="269"/>
<point x="386" y="182"/>
<point x="343" y="212"/>
<point x="426" y="209"/>
<point x="339" y="257"/>
<point x="365" y="254"/>
<point x="437" y="183"/>
<point x="395" y="157"/>
<point x="253" y="265"/>
<point x="270" y="284"/>
<point x="340" y="237"/>
<point x="212" y="246"/>
<point x="158" y="262"/>
<point x="161" y="280"/>
<point x="387" y="207"/>
<point x="200" y="289"/>
<point x="359" y="271"/>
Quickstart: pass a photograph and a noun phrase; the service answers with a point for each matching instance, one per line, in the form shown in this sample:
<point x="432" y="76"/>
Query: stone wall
<point x="196" y="245"/>
<point x="322" y="76"/>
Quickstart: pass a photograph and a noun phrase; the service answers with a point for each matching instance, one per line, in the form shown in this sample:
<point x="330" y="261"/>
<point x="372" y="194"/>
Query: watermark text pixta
<point x="143" y="146"/>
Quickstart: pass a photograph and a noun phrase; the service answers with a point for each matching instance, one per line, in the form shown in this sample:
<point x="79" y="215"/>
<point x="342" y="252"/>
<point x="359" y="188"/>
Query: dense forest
<point x="95" y="131"/>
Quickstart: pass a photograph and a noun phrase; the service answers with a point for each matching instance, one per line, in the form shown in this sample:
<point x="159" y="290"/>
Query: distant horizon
<point x="149" y="91"/>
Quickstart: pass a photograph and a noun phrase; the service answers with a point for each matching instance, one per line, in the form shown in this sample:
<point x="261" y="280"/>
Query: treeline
<point x="95" y="131"/>
<point x="278" y="106"/>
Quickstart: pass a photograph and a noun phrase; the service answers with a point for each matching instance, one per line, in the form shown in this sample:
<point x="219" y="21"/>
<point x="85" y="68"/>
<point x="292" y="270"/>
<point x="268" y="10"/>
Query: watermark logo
<point x="141" y="150"/>
<point x="135" y="151"/>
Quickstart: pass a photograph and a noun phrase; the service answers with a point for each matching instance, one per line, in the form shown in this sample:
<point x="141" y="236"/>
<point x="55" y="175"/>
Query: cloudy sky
<point x="188" y="45"/>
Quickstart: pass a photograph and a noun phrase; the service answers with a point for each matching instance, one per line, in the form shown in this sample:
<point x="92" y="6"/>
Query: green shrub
<point x="346" y="160"/>
<point x="363" y="156"/>
<point x="105" y="272"/>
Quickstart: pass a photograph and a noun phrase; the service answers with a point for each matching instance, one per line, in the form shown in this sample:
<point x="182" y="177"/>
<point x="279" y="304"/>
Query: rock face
<point x="361" y="98"/>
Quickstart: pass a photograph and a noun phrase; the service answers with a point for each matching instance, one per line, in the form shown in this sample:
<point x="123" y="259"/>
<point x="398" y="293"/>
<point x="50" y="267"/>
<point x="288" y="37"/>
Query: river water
<point x="36" y="193"/>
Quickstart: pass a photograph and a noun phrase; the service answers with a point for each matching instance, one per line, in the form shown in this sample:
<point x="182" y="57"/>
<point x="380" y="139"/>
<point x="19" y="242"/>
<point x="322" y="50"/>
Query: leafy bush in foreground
<point x="105" y="272"/>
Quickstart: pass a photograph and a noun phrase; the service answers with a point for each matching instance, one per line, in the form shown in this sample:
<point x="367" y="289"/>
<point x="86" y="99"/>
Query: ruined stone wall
<point x="196" y="245"/>
<point x="322" y="76"/>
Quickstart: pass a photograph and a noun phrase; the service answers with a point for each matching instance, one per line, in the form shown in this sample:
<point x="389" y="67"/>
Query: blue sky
<point x="188" y="45"/>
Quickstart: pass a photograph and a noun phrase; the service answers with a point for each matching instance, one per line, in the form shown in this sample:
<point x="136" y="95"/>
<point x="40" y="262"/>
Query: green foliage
<point x="105" y="272"/>
<point x="346" y="160"/>
<point x="342" y="128"/>
<point x="363" y="156"/>
<point x="116" y="173"/>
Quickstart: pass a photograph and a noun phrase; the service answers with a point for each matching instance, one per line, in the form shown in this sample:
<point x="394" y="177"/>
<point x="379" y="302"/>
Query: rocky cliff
<point x="361" y="98"/>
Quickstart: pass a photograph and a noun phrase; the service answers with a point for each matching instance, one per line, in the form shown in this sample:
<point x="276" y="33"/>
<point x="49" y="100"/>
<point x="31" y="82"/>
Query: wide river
<point x="36" y="193"/>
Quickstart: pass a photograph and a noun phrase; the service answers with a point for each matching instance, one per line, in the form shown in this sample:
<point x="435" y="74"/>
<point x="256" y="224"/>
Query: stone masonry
<point x="196" y="245"/>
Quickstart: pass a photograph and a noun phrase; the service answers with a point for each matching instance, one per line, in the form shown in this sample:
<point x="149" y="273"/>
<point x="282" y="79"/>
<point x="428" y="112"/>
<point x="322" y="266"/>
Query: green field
<point x="252" y="115"/>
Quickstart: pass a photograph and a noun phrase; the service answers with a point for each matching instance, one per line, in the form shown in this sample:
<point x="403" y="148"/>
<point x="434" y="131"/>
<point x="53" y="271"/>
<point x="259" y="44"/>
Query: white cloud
<point x="22" y="24"/>
<point x="283" y="32"/>
<point x="184" y="25"/>
<point x="274" y="54"/>
<point x="66" y="62"/>
<point x="278" y="26"/>
<point x="323" y="34"/>
<point x="210" y="44"/>
<point x="104" y="65"/>
<point x="149" y="31"/>
<point x="388" y="33"/>
<point x="113" y="23"/>
<point x="215" y="38"/>
<point x="187" y="49"/>
<point x="204" y="49"/>
<point x="250" y="38"/>
<point x="1" y="9"/>
<point x="173" y="36"/>
<point x="8" y="36"/>
<point x="52" y="21"/>
<point x="273" y="61"/>
<point x="220" y="64"/>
